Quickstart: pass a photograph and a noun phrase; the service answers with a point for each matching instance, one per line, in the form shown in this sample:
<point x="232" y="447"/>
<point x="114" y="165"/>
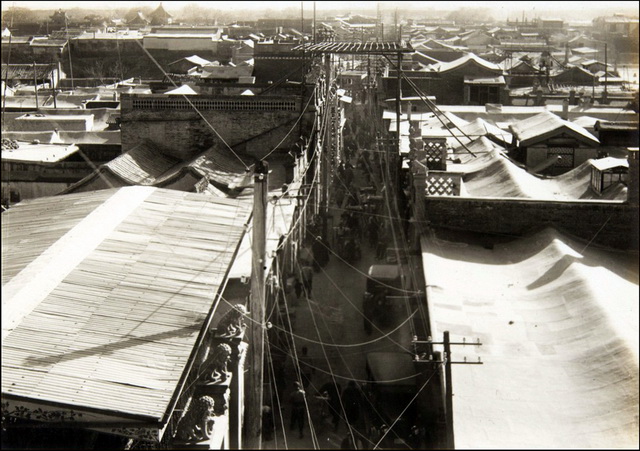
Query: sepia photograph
<point x="311" y="224"/>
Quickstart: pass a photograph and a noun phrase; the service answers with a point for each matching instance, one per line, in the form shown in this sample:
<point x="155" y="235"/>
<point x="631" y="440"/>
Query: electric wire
<point x="290" y="130"/>
<point x="296" y="363"/>
<point x="193" y="106"/>
<point x="352" y="378"/>
<point x="308" y="295"/>
<point x="353" y="345"/>
<point x="404" y="410"/>
<point x="273" y="376"/>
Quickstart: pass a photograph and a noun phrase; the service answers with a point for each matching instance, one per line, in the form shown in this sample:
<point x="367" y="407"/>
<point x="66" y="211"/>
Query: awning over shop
<point x="558" y="323"/>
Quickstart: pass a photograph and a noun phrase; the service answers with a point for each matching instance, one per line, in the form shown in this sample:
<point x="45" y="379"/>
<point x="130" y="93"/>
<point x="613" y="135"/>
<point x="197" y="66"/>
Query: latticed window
<point x="442" y="185"/>
<point x="436" y="153"/>
<point x="233" y="105"/>
<point x="566" y="155"/>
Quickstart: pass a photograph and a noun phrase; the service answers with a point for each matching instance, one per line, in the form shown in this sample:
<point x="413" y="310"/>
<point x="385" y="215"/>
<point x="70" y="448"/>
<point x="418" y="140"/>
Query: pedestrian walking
<point x="347" y="442"/>
<point x="348" y="174"/>
<point x="298" y="288"/>
<point x="320" y="251"/>
<point x="306" y="369"/>
<point x="332" y="391"/>
<point x="307" y="279"/>
<point x="268" y="425"/>
<point x="372" y="231"/>
<point x="298" y="408"/>
<point x="352" y="400"/>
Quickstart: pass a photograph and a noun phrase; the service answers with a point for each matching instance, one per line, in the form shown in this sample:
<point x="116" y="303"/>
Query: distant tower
<point x="160" y="16"/>
<point x="395" y="22"/>
<point x="379" y="26"/>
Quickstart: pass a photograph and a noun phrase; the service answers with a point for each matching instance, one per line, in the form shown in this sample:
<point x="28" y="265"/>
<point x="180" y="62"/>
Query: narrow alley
<point x="331" y="344"/>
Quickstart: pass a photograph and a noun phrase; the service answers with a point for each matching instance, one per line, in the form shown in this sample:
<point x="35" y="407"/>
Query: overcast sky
<point x="507" y="7"/>
<point x="576" y="11"/>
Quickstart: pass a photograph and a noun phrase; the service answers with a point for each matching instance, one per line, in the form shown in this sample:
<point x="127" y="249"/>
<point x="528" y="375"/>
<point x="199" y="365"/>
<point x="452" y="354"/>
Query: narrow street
<point x="330" y="324"/>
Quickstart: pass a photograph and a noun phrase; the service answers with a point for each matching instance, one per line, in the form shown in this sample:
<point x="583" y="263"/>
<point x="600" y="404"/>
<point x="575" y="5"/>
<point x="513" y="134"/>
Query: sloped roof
<point x="27" y="71"/>
<point x="480" y="127"/>
<point x="425" y="58"/>
<point x="141" y="165"/>
<point x="39" y="153"/>
<point x="558" y="323"/>
<point x="544" y="125"/>
<point x="578" y="69"/>
<point x="469" y="58"/>
<point x="603" y="164"/>
<point x="435" y="44"/>
<point x="160" y="13"/>
<point x="194" y="59"/>
<point x="103" y="310"/>
<point x="138" y="19"/>
<point x="492" y="174"/>
<point x="182" y="90"/>
<point x="497" y="80"/>
<point x="226" y="72"/>
<point x="147" y="166"/>
<point x="516" y="64"/>
<point x="584" y="50"/>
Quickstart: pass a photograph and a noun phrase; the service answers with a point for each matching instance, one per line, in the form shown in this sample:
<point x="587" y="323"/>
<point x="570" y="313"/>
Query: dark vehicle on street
<point x="383" y="281"/>
<point x="392" y="386"/>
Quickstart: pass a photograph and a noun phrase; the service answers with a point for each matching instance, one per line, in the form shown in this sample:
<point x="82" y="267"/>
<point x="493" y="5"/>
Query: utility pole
<point x="398" y="114"/>
<point x="253" y="395"/>
<point x="448" y="391"/>
<point x="606" y="75"/>
<point x="325" y="161"/>
<point x="35" y="83"/>
<point x="446" y="342"/>
<point x="314" y="22"/>
<point x="54" y="86"/>
<point x="66" y="27"/>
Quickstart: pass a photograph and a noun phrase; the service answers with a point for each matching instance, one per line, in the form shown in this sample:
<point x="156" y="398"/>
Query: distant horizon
<point x="514" y="9"/>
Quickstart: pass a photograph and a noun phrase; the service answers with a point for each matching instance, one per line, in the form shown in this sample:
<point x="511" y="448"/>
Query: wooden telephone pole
<point x="448" y="389"/>
<point x="253" y="394"/>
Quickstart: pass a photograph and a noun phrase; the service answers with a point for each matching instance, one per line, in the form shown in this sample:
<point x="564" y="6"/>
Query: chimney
<point x="565" y="110"/>
<point x="409" y="110"/>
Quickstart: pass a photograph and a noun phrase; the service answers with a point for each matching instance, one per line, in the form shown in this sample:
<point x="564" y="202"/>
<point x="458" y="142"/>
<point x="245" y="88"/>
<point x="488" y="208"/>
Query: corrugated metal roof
<point x="545" y="124"/>
<point x="26" y="71"/>
<point x="356" y="47"/>
<point x="142" y="165"/>
<point x="105" y="293"/>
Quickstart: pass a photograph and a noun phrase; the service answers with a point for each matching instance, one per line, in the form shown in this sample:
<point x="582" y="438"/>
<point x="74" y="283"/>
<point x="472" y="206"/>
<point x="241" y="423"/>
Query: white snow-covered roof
<point x="603" y="164"/>
<point x="545" y="124"/>
<point x="470" y="57"/>
<point x="182" y="90"/>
